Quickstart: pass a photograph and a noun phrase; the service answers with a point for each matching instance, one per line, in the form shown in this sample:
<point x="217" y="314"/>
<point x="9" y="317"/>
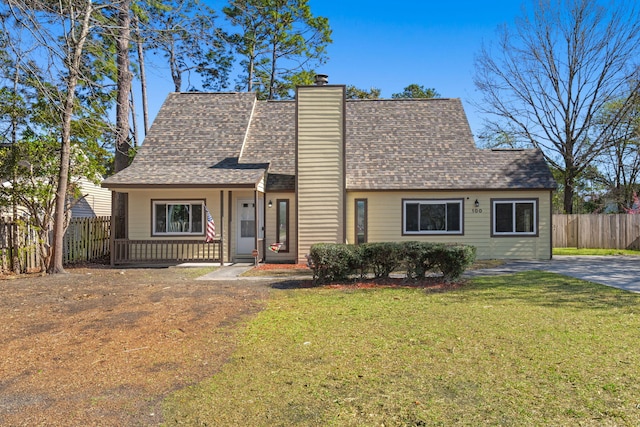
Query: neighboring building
<point x="94" y="200"/>
<point x="279" y="176"/>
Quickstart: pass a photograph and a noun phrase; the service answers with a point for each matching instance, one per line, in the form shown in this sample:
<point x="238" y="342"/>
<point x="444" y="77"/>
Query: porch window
<point x="176" y="218"/>
<point x="514" y="217"/>
<point x="282" y="220"/>
<point x="432" y="217"/>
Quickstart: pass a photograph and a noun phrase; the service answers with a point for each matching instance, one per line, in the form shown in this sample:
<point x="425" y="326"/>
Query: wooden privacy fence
<point x="597" y="231"/>
<point x="25" y="252"/>
<point x="127" y="251"/>
<point x="86" y="239"/>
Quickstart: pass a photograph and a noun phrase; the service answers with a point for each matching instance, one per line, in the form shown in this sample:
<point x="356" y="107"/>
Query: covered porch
<point x="165" y="226"/>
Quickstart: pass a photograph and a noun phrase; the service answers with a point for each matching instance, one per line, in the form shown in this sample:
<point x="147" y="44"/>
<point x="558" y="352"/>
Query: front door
<point x="246" y="237"/>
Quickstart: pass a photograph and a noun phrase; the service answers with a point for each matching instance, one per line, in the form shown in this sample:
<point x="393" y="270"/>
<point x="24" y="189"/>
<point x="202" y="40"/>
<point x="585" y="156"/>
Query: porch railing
<point x="127" y="251"/>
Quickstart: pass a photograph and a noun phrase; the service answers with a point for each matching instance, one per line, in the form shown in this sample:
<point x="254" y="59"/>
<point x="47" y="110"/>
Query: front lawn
<point x="528" y="349"/>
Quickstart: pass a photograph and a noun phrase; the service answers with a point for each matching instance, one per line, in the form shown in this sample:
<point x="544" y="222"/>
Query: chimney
<point x="321" y="79"/>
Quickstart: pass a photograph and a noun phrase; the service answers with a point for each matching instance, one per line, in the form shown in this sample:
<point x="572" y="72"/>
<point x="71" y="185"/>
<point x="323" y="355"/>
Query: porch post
<point x="112" y="231"/>
<point x="222" y="228"/>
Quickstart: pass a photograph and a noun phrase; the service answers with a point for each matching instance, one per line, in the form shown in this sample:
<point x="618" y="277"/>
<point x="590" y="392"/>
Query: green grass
<point x="528" y="349"/>
<point x="576" y="251"/>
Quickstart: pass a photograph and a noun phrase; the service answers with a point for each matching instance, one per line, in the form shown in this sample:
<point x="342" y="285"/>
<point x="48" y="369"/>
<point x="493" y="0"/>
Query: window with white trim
<point x="514" y="217"/>
<point x="175" y="218"/>
<point x="432" y="217"/>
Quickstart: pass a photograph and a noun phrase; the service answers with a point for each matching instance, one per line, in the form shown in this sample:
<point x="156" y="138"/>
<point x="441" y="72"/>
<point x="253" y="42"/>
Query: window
<point x="282" y="220"/>
<point x="361" y="221"/>
<point x="178" y="217"/>
<point x="432" y="216"/>
<point x="515" y="217"/>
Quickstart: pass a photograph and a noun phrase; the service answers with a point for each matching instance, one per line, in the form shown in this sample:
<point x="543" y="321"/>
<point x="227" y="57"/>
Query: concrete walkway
<point x="229" y="272"/>
<point x="617" y="271"/>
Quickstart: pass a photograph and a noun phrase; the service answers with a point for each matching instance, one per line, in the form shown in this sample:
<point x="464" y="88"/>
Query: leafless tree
<point x="553" y="71"/>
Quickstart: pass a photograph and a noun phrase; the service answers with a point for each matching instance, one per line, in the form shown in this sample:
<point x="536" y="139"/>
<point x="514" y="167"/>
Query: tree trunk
<point x="272" y="78"/>
<point x="15" y="239"/>
<point x="121" y="160"/>
<point x="569" y="183"/>
<point x="134" y="122"/>
<point x="56" y="263"/>
<point x="143" y="75"/>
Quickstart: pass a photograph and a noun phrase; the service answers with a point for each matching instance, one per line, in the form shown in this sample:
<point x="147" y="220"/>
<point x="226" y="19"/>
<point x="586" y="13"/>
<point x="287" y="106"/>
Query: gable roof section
<point x="272" y="139"/>
<point x="427" y="144"/>
<point x="230" y="139"/>
<point x="195" y="140"/>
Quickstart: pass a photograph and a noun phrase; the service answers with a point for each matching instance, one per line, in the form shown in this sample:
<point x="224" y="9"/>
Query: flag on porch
<point x="211" y="228"/>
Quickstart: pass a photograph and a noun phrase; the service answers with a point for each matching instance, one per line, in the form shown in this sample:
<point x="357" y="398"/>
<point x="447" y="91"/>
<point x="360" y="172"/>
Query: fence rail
<point x="599" y="231"/>
<point x="127" y="251"/>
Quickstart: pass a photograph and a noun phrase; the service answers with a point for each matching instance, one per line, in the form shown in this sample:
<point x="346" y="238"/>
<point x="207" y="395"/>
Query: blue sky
<point x="391" y="45"/>
<point x="432" y="43"/>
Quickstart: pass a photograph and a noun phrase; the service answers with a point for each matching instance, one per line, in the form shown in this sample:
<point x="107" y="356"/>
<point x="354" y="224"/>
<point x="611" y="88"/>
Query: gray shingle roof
<point x="197" y="139"/>
<point x="426" y="144"/>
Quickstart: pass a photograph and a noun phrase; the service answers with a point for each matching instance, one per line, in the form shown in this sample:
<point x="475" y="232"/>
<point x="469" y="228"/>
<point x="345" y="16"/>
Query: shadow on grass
<point x="552" y="290"/>
<point x="294" y="284"/>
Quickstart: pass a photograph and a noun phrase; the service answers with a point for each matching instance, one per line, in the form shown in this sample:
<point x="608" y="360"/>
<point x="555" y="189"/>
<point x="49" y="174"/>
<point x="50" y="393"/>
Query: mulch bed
<point x="431" y="283"/>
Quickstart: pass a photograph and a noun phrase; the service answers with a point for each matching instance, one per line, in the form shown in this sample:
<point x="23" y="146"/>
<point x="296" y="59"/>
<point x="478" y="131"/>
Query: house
<point x="279" y="176"/>
<point x="94" y="201"/>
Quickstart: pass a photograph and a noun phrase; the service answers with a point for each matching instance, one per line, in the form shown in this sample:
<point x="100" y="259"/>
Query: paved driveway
<point x="618" y="271"/>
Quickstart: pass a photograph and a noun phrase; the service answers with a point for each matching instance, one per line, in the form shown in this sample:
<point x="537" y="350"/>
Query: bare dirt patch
<point x="101" y="346"/>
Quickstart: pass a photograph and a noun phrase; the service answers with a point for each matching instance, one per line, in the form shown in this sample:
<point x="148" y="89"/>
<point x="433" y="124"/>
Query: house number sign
<point x="476" y="210"/>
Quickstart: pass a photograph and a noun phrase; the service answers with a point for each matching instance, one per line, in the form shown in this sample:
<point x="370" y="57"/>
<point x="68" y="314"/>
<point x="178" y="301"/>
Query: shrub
<point x="332" y="261"/>
<point x="452" y="260"/>
<point x="381" y="258"/>
<point x="417" y="258"/>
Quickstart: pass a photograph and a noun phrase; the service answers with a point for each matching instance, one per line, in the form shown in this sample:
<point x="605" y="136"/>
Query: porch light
<point x="476" y="203"/>
<point x="270" y="204"/>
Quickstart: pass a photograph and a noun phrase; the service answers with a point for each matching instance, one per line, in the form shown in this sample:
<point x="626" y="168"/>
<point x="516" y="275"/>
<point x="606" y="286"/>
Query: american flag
<point x="211" y="227"/>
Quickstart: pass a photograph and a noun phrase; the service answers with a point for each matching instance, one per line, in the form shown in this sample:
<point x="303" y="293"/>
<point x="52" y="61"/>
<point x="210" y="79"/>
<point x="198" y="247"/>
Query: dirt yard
<point x="103" y="347"/>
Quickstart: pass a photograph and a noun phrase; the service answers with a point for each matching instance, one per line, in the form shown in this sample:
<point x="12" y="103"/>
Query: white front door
<point x="246" y="227"/>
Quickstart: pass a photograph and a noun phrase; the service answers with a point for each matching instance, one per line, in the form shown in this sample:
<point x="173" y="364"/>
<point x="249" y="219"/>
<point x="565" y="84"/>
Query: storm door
<point x="246" y="237"/>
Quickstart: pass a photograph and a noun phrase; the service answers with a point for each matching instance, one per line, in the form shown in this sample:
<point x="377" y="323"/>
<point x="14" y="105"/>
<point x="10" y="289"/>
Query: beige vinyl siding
<point x="320" y="166"/>
<point x="385" y="222"/>
<point x="140" y="215"/>
<point x="96" y="200"/>
<point x="271" y="224"/>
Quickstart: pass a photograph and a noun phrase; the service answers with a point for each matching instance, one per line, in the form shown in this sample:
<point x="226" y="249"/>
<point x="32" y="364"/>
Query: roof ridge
<point x="403" y="99"/>
<point x="246" y="132"/>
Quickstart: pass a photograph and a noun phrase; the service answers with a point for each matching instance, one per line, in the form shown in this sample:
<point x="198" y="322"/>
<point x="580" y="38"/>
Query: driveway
<point x="617" y="271"/>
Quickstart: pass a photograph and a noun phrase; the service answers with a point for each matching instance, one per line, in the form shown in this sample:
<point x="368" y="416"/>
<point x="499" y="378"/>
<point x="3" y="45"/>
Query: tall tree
<point x="61" y="29"/>
<point x="185" y="33"/>
<point x="553" y="71"/>
<point x="416" y="91"/>
<point x="280" y="41"/>
<point x="124" y="77"/>
<point x="122" y="131"/>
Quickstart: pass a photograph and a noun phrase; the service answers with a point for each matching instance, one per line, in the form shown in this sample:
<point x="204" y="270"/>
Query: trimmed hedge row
<point x="332" y="262"/>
